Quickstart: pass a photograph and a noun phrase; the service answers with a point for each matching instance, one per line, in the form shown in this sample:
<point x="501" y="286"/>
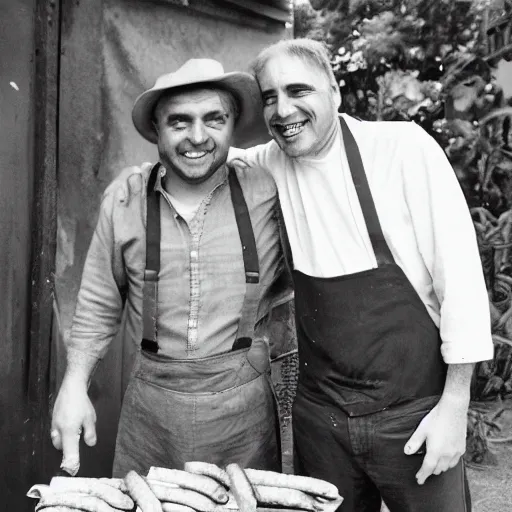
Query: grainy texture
<point x="21" y="57"/>
<point x="301" y="483"/>
<point x="241" y="488"/>
<point x="93" y="487"/>
<point x="211" y="470"/>
<point x="186" y="497"/>
<point x="111" y="51"/>
<point x="199" y="483"/>
<point x="141" y="493"/>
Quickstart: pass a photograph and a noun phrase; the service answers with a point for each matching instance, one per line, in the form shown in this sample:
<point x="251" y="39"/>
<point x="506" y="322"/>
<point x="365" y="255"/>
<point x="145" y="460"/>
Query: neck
<point x="191" y="193"/>
<point x="326" y="145"/>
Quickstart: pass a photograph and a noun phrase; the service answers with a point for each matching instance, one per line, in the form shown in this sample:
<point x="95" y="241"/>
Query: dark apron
<point x="217" y="409"/>
<point x="366" y="341"/>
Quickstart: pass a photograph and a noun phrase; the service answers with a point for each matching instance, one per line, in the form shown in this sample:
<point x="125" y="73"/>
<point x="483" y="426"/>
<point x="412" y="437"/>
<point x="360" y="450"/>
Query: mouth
<point x="195" y="155"/>
<point x="288" y="131"/>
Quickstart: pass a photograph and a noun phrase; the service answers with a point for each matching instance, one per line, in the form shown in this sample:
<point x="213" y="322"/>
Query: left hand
<point x="443" y="431"/>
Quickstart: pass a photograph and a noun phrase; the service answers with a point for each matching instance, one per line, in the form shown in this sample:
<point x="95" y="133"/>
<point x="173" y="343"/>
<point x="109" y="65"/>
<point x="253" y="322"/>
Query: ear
<point x="336" y="95"/>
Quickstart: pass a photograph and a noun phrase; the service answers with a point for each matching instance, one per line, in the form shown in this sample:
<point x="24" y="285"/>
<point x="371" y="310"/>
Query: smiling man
<point x="391" y="305"/>
<point x="190" y="248"/>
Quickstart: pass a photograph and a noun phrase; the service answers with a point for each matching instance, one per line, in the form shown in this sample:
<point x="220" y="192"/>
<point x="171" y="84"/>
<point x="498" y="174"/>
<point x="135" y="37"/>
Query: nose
<point x="198" y="134"/>
<point x="284" y="106"/>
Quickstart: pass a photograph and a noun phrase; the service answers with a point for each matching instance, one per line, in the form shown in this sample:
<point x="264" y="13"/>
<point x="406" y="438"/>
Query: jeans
<point x="364" y="457"/>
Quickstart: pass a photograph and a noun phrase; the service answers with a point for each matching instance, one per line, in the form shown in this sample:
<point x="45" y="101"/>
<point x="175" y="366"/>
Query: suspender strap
<point x="150" y="289"/>
<point x="245" y="332"/>
<point x="380" y="247"/>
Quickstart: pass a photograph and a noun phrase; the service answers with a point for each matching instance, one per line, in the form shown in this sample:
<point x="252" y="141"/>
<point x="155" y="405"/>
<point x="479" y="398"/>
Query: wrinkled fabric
<point x="364" y="457"/>
<point x="114" y="270"/>
<point x="218" y="409"/>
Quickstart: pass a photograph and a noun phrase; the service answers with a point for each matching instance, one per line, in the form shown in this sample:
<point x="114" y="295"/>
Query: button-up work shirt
<point x="201" y="281"/>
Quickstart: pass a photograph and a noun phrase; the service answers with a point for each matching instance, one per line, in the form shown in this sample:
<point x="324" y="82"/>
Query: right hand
<point x="129" y="182"/>
<point x="237" y="158"/>
<point x="73" y="414"/>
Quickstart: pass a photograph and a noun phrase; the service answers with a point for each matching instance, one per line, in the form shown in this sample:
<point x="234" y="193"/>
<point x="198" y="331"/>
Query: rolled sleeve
<point x="99" y="304"/>
<point x="447" y="242"/>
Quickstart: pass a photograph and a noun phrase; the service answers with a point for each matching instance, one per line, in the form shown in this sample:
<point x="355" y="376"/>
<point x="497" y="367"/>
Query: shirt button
<point x="193" y="255"/>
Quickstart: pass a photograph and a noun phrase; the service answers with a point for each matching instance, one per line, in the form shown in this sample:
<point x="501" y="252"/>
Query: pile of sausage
<point x="200" y="487"/>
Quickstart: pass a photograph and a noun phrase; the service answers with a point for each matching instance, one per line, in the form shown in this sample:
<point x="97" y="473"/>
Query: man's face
<point x="195" y="130"/>
<point x="300" y="105"/>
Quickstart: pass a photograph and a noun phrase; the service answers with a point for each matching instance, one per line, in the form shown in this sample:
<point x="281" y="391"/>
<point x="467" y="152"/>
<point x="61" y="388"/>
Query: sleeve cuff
<point x="462" y="353"/>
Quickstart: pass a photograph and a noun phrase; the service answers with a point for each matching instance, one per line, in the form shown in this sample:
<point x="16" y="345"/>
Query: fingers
<point x="90" y="430"/>
<point x="442" y="465"/>
<point x="56" y="438"/>
<point x="427" y="468"/>
<point x="435" y="465"/>
<point x="239" y="162"/>
<point x="71" y="450"/>
<point x="416" y="440"/>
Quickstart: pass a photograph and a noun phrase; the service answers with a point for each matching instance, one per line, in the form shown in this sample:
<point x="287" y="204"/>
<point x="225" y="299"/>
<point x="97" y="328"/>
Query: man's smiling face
<point x="195" y="130"/>
<point x="300" y="104"/>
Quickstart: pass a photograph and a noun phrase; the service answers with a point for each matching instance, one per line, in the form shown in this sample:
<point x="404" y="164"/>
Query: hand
<point x="73" y="414"/>
<point x="444" y="432"/>
<point x="238" y="163"/>
<point x="237" y="158"/>
<point x="129" y="182"/>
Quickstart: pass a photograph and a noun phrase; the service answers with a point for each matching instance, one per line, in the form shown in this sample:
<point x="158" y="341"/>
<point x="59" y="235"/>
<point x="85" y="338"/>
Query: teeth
<point x="292" y="129"/>
<point x="195" y="154"/>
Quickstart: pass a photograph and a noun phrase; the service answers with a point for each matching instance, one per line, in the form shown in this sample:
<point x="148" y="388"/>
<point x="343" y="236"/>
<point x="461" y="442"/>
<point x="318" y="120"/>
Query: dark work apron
<point x="366" y="341"/>
<point x="217" y="409"/>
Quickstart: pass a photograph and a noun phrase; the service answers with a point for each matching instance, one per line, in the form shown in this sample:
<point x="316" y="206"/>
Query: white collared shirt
<point x="423" y="215"/>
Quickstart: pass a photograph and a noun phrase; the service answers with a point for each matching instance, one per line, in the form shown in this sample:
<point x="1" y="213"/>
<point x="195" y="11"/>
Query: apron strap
<point x="249" y="314"/>
<point x="380" y="247"/>
<point x="150" y="287"/>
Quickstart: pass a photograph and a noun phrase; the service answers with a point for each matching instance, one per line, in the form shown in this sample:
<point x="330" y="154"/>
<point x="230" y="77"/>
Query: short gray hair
<point x="308" y="50"/>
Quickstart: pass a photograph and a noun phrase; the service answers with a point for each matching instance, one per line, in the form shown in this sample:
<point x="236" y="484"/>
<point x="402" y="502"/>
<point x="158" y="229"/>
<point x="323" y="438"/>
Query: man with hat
<point x="390" y="301"/>
<point x="193" y="255"/>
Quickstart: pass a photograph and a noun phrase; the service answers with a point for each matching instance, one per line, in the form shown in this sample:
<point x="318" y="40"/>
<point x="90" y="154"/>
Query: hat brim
<point x="249" y="126"/>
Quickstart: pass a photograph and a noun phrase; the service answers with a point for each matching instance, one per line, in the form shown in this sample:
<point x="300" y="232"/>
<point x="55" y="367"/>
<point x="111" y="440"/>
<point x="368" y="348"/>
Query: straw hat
<point x="210" y="72"/>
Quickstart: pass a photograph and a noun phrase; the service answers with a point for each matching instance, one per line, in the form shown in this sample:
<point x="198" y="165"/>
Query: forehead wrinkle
<point x="182" y="104"/>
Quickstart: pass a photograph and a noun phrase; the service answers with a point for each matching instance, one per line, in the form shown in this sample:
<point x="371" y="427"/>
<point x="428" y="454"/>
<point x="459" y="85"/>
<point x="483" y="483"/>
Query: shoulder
<point x="256" y="182"/>
<point x="392" y="138"/>
<point x="269" y="156"/>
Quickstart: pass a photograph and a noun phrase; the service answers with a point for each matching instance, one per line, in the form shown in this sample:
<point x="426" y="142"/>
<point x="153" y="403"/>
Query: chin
<point x="294" y="150"/>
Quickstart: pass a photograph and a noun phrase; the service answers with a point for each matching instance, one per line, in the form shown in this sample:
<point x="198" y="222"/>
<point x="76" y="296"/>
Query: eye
<point x="269" y="100"/>
<point x="217" y="121"/>
<point x="299" y="91"/>
<point x="177" y="123"/>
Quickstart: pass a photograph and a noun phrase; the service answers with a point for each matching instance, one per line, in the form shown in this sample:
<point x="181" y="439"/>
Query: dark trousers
<point x="364" y="457"/>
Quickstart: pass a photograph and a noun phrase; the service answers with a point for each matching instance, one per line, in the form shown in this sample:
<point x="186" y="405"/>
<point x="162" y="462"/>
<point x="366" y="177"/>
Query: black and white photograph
<point x="256" y="255"/>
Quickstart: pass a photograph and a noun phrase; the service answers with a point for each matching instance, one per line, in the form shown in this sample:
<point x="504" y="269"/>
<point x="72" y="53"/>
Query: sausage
<point x="187" y="497"/>
<point x="74" y="501"/>
<point x="207" y="469"/>
<point x="199" y="483"/>
<point x="92" y="487"/>
<point x="141" y="493"/>
<point x="287" y="498"/>
<point x="306" y="484"/>
<point x="241" y="488"/>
